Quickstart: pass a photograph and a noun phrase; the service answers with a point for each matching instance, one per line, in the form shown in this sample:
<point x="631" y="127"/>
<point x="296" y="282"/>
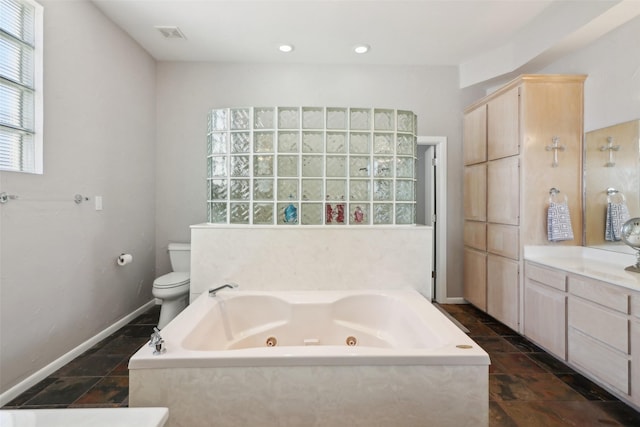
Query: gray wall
<point x="187" y="91"/>
<point x="60" y="284"/>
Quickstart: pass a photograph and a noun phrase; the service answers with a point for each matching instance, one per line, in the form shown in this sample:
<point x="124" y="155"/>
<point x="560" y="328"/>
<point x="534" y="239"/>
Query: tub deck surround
<point x="597" y="264"/>
<point x="409" y="362"/>
<point x="82" y="417"/>
<point x="311" y="257"/>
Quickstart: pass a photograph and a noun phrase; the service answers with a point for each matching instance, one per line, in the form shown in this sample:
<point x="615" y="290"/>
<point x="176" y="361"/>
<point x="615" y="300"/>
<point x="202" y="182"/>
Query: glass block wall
<point x="311" y="166"/>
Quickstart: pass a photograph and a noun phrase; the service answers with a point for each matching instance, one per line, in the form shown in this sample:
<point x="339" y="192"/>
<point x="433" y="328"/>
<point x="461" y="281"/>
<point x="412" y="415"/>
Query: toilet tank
<point x="180" y="256"/>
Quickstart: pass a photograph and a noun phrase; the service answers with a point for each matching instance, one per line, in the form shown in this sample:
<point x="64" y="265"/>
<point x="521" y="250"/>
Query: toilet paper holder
<point x="124" y="259"/>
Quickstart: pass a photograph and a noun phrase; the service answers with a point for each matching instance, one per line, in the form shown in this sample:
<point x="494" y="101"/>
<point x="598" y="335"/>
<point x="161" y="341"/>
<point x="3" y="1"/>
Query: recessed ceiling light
<point x="361" y="48"/>
<point x="285" y="48"/>
<point x="171" y="32"/>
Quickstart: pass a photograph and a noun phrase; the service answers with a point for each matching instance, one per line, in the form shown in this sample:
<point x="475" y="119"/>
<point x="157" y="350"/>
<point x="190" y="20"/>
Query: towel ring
<point x="554" y="195"/>
<point x="615" y="196"/>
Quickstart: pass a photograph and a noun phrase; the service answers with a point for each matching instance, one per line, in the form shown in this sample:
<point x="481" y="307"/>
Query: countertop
<point x="598" y="264"/>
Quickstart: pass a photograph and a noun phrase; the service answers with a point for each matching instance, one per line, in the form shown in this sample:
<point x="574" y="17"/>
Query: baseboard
<point x="43" y="373"/>
<point x="453" y="300"/>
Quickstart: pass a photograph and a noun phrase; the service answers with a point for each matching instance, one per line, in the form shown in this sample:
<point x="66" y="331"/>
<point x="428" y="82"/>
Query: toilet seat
<point x="172" y="280"/>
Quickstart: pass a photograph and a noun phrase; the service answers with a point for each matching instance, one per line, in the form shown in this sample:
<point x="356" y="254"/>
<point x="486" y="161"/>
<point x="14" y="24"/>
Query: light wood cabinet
<point x="545" y="312"/>
<point x="503" y="191"/>
<point x="475" y="277"/>
<point x="502" y="296"/>
<point x="475" y="235"/>
<point x="635" y="349"/>
<point x="475" y="195"/>
<point x="591" y="324"/>
<point x="521" y="119"/>
<point x="598" y="331"/>
<point x="503" y="126"/>
<point x="475" y="136"/>
<point x="503" y="240"/>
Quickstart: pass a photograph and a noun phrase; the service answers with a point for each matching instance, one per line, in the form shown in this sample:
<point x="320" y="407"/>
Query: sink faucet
<point x="212" y="292"/>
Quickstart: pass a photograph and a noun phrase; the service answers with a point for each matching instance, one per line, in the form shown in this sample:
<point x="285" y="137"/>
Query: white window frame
<point x="38" y="127"/>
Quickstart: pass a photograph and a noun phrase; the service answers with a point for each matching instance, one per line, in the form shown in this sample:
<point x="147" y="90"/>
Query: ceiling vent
<point x="171" y="32"/>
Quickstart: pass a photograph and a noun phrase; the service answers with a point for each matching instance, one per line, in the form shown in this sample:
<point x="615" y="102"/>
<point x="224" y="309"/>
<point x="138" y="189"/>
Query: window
<point x="21" y="86"/>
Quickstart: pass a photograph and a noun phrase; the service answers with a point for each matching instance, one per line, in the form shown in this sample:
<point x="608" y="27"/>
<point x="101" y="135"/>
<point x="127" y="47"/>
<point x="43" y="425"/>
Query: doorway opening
<point x="431" y="205"/>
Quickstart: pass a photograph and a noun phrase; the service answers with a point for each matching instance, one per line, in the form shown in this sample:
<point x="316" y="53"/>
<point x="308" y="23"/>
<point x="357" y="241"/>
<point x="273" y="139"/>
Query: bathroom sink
<point x="94" y="417"/>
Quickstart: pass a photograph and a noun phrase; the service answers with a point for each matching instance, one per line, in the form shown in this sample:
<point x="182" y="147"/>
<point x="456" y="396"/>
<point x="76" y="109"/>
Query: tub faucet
<point x="157" y="342"/>
<point x="212" y="292"/>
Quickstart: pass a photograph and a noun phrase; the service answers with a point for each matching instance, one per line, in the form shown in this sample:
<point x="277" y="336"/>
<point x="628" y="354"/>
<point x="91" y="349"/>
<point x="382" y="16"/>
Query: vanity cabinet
<point x="598" y="331"/>
<point x="508" y="173"/>
<point x="635" y="349"/>
<point x="545" y="308"/>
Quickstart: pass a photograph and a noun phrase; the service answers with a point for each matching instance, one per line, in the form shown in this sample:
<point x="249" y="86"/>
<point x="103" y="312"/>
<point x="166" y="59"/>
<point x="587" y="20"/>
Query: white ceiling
<point x="466" y="33"/>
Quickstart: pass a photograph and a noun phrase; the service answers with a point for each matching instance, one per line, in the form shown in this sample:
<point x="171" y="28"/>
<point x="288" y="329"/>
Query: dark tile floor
<point x="97" y="378"/>
<point x="527" y="387"/>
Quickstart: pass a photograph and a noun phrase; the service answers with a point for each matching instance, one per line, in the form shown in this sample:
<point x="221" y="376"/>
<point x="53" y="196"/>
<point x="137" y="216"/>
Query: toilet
<point x="172" y="289"/>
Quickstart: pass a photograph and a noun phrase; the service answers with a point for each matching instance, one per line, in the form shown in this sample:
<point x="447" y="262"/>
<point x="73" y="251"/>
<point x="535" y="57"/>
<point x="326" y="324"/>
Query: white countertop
<point x="598" y="264"/>
<point x="94" y="417"/>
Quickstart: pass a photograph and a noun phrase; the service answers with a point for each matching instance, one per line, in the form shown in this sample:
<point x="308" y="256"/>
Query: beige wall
<point x="60" y="284"/>
<point x="612" y="88"/>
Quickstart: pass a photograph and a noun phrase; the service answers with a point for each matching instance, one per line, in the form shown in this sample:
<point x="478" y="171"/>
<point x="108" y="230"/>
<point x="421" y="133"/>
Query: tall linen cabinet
<point x="510" y="166"/>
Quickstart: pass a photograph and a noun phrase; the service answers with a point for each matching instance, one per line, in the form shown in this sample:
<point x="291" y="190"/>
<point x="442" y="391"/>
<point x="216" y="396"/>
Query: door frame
<point x="439" y="144"/>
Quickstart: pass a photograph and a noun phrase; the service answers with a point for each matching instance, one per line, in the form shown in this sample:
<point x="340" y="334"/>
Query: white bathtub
<point x="410" y="366"/>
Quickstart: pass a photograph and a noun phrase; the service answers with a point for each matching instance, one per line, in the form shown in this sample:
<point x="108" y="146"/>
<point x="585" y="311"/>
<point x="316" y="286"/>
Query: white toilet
<point x="173" y="288"/>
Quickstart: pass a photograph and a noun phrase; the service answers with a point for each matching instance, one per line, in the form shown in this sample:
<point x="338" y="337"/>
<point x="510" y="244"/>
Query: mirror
<point x="611" y="182"/>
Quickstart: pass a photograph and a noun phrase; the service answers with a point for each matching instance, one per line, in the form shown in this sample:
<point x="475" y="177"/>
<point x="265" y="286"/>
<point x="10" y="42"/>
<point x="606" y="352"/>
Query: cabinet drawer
<point x="599" y="360"/>
<point x="604" y="325"/>
<point x="503" y="240"/>
<point x="475" y="234"/>
<point x="554" y="278"/>
<point x="599" y="292"/>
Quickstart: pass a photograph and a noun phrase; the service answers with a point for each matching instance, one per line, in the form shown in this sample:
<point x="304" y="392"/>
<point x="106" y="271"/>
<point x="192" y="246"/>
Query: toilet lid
<point x="173" y="279"/>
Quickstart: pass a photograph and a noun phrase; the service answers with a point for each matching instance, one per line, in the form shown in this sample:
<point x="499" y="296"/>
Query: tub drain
<point x="271" y="342"/>
<point x="351" y="341"/>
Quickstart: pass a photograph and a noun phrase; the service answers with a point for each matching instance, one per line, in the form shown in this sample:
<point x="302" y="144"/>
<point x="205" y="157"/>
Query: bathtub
<point x="313" y="358"/>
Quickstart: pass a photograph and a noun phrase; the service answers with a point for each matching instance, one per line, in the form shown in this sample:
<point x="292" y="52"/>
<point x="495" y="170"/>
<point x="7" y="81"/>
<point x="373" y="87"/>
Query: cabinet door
<point x="635" y="361"/>
<point x="475" y="278"/>
<point x="502" y="290"/>
<point x="503" y="191"/>
<point x="503" y="240"/>
<point x="475" y="136"/>
<point x="475" y="192"/>
<point x="545" y="314"/>
<point x="475" y="235"/>
<point x="503" y="130"/>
